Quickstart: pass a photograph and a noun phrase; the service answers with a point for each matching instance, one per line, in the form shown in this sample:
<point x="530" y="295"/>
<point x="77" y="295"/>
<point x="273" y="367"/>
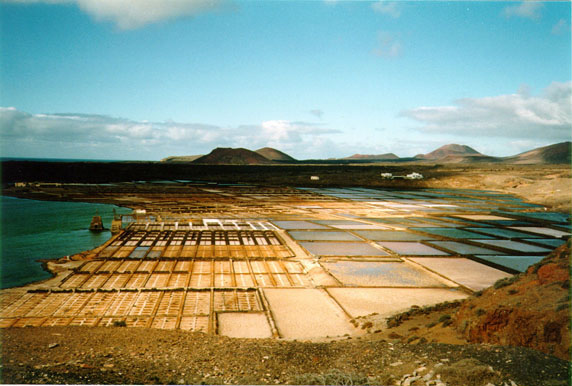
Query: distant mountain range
<point x="558" y="153"/>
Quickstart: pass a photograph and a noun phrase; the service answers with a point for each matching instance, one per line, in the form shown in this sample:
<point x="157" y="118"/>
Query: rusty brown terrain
<point x="527" y="310"/>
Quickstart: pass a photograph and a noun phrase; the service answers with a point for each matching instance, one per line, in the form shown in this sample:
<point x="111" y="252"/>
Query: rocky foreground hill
<point x="531" y="309"/>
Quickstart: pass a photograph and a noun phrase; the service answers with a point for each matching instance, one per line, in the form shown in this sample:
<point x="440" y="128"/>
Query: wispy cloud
<point x="131" y="14"/>
<point x="519" y="116"/>
<point x="560" y="27"/>
<point x="527" y="9"/>
<point x="389" y="8"/>
<point x="22" y="133"/>
<point x="388" y="45"/>
<point x="317" y="113"/>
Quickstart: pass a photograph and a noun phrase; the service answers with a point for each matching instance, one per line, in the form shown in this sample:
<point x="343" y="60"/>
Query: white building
<point x="414" y="176"/>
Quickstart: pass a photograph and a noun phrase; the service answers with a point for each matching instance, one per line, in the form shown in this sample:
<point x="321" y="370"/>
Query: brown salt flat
<point x="244" y="325"/>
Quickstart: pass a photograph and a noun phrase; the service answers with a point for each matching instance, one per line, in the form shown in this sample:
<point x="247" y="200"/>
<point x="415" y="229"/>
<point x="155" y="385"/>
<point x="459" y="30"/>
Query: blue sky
<point x="146" y="79"/>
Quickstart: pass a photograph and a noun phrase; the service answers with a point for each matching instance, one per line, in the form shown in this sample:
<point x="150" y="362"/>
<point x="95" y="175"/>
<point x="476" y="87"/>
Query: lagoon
<point x="32" y="230"/>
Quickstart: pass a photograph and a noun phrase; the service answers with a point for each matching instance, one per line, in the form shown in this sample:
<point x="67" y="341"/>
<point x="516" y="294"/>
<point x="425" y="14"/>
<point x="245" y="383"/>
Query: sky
<point x="148" y="79"/>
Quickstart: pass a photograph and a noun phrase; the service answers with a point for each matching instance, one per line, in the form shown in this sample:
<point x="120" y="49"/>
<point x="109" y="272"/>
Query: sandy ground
<point x="549" y="185"/>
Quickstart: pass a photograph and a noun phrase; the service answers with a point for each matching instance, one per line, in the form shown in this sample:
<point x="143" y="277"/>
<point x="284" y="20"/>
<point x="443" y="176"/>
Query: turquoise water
<point x="32" y="230"/>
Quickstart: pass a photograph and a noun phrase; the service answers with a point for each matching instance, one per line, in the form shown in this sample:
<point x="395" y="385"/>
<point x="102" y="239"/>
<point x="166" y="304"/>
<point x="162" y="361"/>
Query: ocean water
<point x="32" y="230"/>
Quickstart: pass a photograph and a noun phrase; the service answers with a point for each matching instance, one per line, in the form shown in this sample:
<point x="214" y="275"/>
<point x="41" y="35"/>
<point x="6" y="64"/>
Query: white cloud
<point x="279" y="130"/>
<point x="131" y="14"/>
<point x="527" y="9"/>
<point x="519" y="116"/>
<point x="50" y="135"/>
<point x="282" y="131"/>
<point x="389" y="8"/>
<point x="388" y="46"/>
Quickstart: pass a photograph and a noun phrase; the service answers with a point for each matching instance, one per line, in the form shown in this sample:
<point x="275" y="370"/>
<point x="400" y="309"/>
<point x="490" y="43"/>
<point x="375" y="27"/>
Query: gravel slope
<point x="142" y="356"/>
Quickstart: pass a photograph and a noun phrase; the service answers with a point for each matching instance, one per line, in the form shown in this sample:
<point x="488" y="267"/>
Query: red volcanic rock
<point x="532" y="311"/>
<point x="230" y="156"/>
<point x="552" y="272"/>
<point x="275" y="155"/>
<point x="450" y="150"/>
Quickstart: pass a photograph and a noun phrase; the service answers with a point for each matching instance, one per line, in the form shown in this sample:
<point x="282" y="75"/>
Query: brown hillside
<point x="181" y="158"/>
<point x="558" y="153"/>
<point x="449" y="150"/>
<point x="529" y="310"/>
<point x="274" y="155"/>
<point x="230" y="156"/>
<point x="373" y="156"/>
<point x="467" y="158"/>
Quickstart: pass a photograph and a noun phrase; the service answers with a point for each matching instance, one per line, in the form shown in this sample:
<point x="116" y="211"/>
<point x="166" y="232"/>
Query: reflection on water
<point x="298" y="225"/>
<point x="453" y="233"/>
<point x="518" y="263"/>
<point x="392" y="235"/>
<point x="319" y="235"/>
<point x="342" y="249"/>
<point x="411" y="249"/>
<point x="377" y="273"/>
<point x="515" y="246"/>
